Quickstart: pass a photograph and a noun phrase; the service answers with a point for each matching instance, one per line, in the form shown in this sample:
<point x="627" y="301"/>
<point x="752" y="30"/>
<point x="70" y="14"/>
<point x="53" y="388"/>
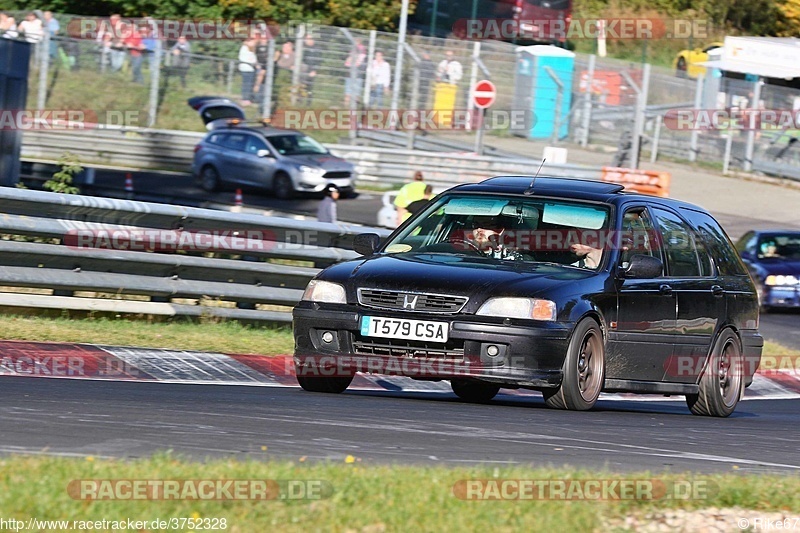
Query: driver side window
<point x="638" y="236"/>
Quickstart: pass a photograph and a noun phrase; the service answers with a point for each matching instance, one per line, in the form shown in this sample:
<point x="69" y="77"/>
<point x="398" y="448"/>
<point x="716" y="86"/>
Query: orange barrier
<point x="643" y="181"/>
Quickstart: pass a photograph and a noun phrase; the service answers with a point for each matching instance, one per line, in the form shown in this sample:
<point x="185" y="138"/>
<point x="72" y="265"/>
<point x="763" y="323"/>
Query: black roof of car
<point x="573" y="188"/>
<point x="266" y="131"/>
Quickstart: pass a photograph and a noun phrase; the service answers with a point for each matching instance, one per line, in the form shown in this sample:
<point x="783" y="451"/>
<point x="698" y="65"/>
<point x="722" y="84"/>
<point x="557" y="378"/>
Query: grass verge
<point x="357" y="497"/>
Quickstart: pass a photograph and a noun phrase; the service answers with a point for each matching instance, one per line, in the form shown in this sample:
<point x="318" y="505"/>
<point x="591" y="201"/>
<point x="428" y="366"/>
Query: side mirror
<point x="366" y="243"/>
<point x="643" y="267"/>
<point x="264" y="153"/>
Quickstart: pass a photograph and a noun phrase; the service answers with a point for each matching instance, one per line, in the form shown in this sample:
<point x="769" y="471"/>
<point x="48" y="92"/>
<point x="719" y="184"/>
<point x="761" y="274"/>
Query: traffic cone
<point x="237" y="202"/>
<point x="129" y="184"/>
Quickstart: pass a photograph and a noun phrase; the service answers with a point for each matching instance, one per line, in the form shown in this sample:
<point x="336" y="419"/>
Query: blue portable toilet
<point x="536" y="91"/>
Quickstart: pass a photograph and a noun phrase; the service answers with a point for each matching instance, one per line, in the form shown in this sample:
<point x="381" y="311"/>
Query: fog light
<point x="492" y="350"/>
<point x="327" y="337"/>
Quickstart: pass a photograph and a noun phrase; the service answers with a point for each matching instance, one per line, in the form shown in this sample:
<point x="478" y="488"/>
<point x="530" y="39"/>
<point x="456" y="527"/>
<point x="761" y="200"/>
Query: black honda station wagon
<point x="565" y="286"/>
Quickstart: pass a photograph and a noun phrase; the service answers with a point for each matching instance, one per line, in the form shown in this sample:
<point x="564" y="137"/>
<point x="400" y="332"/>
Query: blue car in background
<point x="773" y="258"/>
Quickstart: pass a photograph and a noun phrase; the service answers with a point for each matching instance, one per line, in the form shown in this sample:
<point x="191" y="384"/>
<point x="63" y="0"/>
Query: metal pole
<point x="559" y="100"/>
<point x="266" y="105"/>
<point x="414" y="105"/>
<point x="698" y="102"/>
<point x="368" y="75"/>
<point x="401" y="48"/>
<point x="473" y="80"/>
<point x="656" y="139"/>
<point x="726" y="160"/>
<point x="298" y="61"/>
<point x="155" y="77"/>
<point x="352" y="76"/>
<point x="44" y="66"/>
<point x="587" y="104"/>
<point x="231" y="69"/>
<point x="751" y="132"/>
<point x="479" y="136"/>
<point x="641" y="107"/>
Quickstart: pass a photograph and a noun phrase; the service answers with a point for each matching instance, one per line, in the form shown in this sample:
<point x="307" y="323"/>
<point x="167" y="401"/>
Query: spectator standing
<point x="247" y="68"/>
<point x="31" y="28"/>
<point x="312" y="59"/>
<point x="427" y="73"/>
<point x="118" y="31"/>
<point x="353" y="87"/>
<point x="133" y="42"/>
<point x="8" y="26"/>
<point x="411" y="192"/>
<point x="380" y="78"/>
<point x="326" y="210"/>
<point x="449" y="69"/>
<point x="52" y="27"/>
<point x="149" y="42"/>
<point x="284" y="61"/>
<point x="418" y="205"/>
<point x="262" y="56"/>
<point x="179" y="58"/>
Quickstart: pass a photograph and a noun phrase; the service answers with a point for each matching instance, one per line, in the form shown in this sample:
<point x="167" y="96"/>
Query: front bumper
<point x="781" y="296"/>
<point x="528" y="356"/>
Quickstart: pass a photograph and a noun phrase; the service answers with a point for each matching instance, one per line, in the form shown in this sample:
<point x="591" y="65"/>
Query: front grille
<point x="398" y="348"/>
<point x="337" y="175"/>
<point x="411" y="301"/>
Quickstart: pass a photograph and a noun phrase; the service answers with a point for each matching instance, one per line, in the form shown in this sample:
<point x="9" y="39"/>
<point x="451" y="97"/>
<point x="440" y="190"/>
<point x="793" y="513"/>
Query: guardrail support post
<point x="43" y="49"/>
<point x="298" y="61"/>
<point x="726" y="160"/>
<point x="266" y="104"/>
<point x="698" y="102"/>
<point x="656" y="139"/>
<point x="751" y="131"/>
<point x="155" y="77"/>
<point x="586" y="118"/>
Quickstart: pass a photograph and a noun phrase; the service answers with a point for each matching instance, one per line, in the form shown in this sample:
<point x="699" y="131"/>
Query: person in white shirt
<point x="8" y="26"/>
<point x="247" y="67"/>
<point x="31" y="28"/>
<point x="449" y="70"/>
<point x="380" y="78"/>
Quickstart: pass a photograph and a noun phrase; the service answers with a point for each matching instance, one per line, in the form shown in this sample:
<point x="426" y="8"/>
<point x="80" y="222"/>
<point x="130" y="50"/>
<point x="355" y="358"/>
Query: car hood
<point x="453" y="274"/>
<point x="780" y="267"/>
<point x="325" y="161"/>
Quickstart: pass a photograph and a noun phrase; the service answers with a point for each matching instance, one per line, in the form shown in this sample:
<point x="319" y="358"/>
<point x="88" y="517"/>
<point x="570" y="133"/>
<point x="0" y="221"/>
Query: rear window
<point x="717" y="242"/>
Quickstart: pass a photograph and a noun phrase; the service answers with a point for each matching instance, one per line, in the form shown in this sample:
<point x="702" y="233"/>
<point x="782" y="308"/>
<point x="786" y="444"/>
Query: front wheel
<point x="722" y="382"/>
<point x="209" y="179"/>
<point x="583" y="371"/>
<point x="282" y="187"/>
<point x="333" y="385"/>
<point x="474" y="391"/>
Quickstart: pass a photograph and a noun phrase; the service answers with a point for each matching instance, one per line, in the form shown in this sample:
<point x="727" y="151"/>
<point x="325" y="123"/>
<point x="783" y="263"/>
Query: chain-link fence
<point x="604" y="101"/>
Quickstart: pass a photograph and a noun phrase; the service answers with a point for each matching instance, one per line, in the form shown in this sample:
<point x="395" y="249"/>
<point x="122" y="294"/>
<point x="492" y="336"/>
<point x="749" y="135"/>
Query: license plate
<point x="400" y="328"/>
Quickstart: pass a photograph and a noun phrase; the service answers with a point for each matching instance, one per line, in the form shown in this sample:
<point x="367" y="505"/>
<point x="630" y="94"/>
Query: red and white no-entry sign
<point x="483" y="94"/>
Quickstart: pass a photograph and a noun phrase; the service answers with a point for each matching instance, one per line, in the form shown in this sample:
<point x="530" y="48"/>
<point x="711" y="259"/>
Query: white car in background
<point x="387" y="215"/>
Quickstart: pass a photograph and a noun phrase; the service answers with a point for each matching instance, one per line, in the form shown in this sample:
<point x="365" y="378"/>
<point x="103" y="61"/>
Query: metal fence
<point x="610" y="98"/>
<point x="97" y="254"/>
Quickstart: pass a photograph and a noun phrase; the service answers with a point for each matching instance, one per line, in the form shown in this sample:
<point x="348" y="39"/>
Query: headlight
<point x="312" y="171"/>
<point x="781" y="280"/>
<point x="519" y="308"/>
<point x="324" y="291"/>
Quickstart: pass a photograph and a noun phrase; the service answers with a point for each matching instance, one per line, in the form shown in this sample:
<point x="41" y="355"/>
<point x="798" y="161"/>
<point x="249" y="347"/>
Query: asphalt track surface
<point x="126" y="420"/>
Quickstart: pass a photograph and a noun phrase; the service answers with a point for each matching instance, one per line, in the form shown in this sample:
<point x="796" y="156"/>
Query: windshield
<point x="783" y="246"/>
<point x="296" y="144"/>
<point x="502" y="229"/>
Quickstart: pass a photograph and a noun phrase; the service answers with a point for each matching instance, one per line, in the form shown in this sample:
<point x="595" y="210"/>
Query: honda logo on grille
<point x="410" y="301"/>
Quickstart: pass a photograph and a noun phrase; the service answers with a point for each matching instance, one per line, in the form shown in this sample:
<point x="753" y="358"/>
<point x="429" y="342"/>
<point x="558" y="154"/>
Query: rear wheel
<point x="584" y="370"/>
<point x="474" y="391"/>
<point x="282" y="186"/>
<point x="722" y="382"/>
<point x="333" y="385"/>
<point x="209" y="179"/>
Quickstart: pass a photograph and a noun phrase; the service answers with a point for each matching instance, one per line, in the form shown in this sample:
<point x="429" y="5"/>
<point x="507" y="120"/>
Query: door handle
<point x="665" y="290"/>
<point x="716" y="290"/>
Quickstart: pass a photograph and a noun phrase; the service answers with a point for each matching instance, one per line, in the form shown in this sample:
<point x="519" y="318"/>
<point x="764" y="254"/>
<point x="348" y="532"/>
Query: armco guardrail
<point x="82" y="251"/>
<point x="173" y="150"/>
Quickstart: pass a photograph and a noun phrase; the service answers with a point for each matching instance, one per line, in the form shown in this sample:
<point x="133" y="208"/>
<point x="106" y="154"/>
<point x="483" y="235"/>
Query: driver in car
<point x="486" y="237"/>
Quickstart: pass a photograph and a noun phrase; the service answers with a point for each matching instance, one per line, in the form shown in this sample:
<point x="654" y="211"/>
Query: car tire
<point x="474" y="391"/>
<point x="209" y="178"/>
<point x="332" y="385"/>
<point x="722" y="382"/>
<point x="282" y="186"/>
<point x="680" y="68"/>
<point x="583" y="370"/>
